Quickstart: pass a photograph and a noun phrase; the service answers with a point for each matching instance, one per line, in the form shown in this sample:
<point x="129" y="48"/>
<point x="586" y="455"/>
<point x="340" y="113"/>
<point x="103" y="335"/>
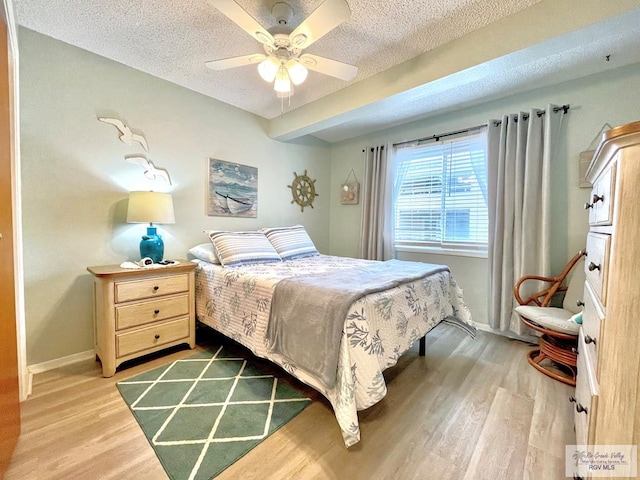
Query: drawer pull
<point x="156" y="288"/>
<point x="157" y="336"/>
<point x="588" y="340"/>
<point x="587" y="206"/>
<point x="580" y="303"/>
<point x="592" y="266"/>
<point x="597" y="198"/>
<point x="581" y="409"/>
<point x="572" y="399"/>
<point x="156" y="312"/>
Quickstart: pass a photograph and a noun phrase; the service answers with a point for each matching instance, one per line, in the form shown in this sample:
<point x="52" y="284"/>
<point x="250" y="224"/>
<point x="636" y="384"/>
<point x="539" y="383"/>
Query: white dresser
<point x="607" y="396"/>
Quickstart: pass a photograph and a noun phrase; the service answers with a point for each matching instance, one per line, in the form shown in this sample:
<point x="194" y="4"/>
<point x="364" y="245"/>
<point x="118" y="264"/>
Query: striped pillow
<point x="239" y="248"/>
<point x="291" y="242"/>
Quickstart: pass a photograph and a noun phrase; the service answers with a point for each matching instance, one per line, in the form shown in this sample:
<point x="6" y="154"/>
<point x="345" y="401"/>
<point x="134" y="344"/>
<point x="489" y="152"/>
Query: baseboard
<point x="526" y="338"/>
<point x="59" y="362"/>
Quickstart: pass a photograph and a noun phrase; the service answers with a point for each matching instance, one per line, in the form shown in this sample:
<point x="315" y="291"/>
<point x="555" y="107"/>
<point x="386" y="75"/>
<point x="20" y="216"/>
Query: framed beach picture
<point x="232" y="190"/>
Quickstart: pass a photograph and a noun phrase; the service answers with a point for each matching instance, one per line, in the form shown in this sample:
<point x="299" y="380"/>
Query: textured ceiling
<point x="172" y="39"/>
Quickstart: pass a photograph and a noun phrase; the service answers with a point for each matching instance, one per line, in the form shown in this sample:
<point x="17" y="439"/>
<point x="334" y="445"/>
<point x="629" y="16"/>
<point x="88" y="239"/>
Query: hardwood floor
<point x="470" y="409"/>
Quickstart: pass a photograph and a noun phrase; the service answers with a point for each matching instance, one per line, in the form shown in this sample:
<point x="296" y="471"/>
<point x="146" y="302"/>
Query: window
<point x="441" y="194"/>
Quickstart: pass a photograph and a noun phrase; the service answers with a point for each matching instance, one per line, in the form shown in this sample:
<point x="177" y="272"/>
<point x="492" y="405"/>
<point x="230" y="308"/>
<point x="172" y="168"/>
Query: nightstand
<point x="141" y="311"/>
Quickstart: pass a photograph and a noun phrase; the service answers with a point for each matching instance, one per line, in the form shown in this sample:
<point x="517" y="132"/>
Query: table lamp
<point x="150" y="207"/>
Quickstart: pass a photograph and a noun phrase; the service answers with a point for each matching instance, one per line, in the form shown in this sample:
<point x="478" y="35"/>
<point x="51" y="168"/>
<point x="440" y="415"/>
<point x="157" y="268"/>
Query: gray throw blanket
<point x="308" y="312"/>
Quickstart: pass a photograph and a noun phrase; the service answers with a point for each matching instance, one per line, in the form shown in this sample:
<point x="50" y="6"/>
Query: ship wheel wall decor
<point x="303" y="190"/>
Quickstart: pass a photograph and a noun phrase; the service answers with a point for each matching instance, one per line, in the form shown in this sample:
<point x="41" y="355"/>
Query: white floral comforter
<point x="379" y="327"/>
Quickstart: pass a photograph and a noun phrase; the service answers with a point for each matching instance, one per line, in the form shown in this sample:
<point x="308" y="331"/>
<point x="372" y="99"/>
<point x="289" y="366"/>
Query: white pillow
<point x="239" y="248"/>
<point x="205" y="252"/>
<point x="291" y="242"/>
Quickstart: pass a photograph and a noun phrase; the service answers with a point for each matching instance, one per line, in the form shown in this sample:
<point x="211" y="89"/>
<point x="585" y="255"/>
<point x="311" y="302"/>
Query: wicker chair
<point x="556" y="355"/>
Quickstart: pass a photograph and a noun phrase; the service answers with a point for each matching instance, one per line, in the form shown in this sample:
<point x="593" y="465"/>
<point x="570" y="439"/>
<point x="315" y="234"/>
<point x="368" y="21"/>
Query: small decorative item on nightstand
<point x="151" y="207"/>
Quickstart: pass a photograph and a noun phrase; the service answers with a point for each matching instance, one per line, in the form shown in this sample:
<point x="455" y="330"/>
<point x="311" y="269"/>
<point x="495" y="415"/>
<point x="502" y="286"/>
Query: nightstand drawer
<point x="135" y="314"/>
<point x="152" y="336"/>
<point x="148" y="288"/>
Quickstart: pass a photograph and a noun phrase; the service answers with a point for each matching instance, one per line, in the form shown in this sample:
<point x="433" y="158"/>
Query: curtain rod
<point x="564" y="108"/>
<point x="440" y="135"/>
<point x="373" y="148"/>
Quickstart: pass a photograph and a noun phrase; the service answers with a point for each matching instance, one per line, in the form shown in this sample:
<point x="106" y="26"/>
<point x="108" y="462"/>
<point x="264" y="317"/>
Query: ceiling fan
<point x="283" y="61"/>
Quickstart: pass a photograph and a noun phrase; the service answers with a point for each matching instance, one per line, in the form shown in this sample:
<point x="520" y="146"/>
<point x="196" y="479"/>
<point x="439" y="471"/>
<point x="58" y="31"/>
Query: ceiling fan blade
<point x="333" y="68"/>
<point x="242" y="18"/>
<point x="234" y="62"/>
<point x="322" y="20"/>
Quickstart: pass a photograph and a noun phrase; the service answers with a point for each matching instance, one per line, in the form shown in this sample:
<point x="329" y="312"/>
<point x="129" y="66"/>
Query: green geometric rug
<point x="203" y="413"/>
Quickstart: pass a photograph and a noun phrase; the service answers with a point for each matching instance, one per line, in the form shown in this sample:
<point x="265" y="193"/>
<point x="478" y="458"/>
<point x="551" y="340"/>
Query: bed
<point x="381" y="323"/>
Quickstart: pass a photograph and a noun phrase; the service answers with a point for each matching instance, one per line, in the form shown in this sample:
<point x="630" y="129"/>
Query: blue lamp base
<point x="152" y="245"/>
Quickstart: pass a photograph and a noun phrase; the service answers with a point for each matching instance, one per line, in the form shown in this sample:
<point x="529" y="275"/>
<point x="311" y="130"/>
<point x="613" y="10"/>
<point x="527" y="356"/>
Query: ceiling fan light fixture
<point x="283" y="63"/>
<point x="282" y="83"/>
<point x="297" y="72"/>
<point x="268" y="69"/>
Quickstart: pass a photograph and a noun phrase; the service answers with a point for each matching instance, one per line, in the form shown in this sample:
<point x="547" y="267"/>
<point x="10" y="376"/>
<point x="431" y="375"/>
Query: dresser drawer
<point x="154" y="287"/>
<point x="597" y="262"/>
<point x="135" y="314"/>
<point x="602" y="198"/>
<point x="592" y="317"/>
<point x="151" y="336"/>
<point x="586" y="395"/>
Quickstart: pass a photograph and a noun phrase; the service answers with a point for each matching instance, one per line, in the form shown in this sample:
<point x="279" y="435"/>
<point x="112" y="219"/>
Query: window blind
<point x="441" y="195"/>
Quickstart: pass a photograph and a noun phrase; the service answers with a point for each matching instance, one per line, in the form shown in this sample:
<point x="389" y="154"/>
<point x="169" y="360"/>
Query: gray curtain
<point x="376" y="233"/>
<point x="521" y="148"/>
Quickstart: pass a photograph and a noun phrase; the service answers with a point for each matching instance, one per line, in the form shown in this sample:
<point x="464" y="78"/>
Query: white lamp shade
<point x="150" y="207"/>
<point x="268" y="69"/>
<point x="297" y="72"/>
<point x="282" y="83"/>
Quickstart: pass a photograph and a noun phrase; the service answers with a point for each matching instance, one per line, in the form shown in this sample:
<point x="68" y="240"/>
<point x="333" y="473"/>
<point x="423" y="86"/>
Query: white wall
<point x="594" y="100"/>
<point x="75" y="181"/>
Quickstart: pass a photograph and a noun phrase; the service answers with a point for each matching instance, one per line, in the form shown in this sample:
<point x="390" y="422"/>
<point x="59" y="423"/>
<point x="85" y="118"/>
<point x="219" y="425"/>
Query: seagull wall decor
<point x="151" y="172"/>
<point x="126" y="135"/>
